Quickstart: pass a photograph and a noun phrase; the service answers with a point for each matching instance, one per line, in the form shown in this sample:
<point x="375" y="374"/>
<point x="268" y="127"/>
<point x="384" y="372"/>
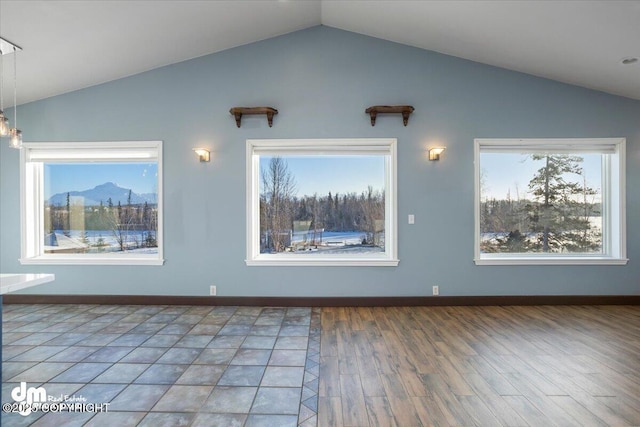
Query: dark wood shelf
<point x="238" y="112"/>
<point x="405" y="110"/>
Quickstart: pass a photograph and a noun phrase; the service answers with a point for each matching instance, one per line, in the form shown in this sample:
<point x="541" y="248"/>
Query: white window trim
<point x="31" y="197"/>
<point x="615" y="245"/>
<point x="386" y="146"/>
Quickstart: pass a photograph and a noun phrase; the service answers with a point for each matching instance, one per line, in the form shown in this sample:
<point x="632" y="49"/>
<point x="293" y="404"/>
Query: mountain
<point x="102" y="193"/>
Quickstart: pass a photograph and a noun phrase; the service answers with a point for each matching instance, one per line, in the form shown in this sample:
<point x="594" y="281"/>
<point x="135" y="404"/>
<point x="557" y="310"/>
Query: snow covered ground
<point x="332" y="238"/>
<point x="333" y="242"/>
<point x="104" y="241"/>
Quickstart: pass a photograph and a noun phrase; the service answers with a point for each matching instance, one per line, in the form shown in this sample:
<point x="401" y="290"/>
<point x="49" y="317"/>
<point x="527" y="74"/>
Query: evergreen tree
<point x="554" y="216"/>
<point x="67" y="223"/>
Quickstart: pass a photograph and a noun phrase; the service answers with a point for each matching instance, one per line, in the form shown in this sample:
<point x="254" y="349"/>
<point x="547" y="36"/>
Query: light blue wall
<point x="321" y="80"/>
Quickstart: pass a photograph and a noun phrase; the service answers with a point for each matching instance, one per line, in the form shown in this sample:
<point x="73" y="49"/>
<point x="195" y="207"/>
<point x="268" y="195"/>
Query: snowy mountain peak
<point x="101" y="193"/>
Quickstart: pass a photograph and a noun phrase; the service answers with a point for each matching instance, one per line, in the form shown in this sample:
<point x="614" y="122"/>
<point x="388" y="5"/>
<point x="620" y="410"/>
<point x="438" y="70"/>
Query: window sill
<point x="552" y="261"/>
<point x="86" y="260"/>
<point x="322" y="262"/>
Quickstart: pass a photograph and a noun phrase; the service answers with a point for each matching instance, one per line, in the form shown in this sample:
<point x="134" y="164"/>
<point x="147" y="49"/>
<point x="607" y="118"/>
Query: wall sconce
<point x="434" y="153"/>
<point x="203" y="154"/>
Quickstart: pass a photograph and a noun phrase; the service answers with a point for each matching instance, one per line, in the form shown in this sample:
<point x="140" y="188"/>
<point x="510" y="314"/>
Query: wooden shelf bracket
<point x="238" y="112"/>
<point x="405" y="110"/>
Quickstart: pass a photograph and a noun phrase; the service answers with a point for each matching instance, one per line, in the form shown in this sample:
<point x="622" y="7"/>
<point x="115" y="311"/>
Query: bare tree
<point x="372" y="205"/>
<point x="278" y="191"/>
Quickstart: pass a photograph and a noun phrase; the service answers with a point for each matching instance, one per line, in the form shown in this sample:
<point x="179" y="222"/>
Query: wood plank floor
<point x="480" y="366"/>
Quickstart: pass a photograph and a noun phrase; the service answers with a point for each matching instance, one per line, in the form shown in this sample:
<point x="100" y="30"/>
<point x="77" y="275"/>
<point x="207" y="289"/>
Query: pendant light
<point x="14" y="134"/>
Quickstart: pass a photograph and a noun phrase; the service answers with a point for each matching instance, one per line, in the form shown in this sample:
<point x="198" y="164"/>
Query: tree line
<point x="132" y="225"/>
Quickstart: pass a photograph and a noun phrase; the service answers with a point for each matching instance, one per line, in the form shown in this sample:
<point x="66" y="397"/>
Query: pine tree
<point x="67" y="223"/>
<point x="555" y="214"/>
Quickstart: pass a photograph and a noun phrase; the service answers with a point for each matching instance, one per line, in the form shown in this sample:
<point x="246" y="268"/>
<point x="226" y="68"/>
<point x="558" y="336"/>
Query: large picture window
<point x="321" y="202"/>
<point x="92" y="203"/>
<point x="550" y="201"/>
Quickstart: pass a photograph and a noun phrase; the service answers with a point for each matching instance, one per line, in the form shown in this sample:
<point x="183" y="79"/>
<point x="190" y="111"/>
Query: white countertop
<point x="15" y="282"/>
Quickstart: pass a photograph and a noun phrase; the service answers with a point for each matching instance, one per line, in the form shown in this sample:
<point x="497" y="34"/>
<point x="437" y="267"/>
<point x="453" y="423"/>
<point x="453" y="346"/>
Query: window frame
<point x="32" y="206"/>
<point x="613" y="192"/>
<point x="364" y="146"/>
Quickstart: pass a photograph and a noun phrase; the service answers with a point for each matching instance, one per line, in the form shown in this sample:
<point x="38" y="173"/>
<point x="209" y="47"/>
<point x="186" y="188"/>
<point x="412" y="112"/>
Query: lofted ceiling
<point x="69" y="45"/>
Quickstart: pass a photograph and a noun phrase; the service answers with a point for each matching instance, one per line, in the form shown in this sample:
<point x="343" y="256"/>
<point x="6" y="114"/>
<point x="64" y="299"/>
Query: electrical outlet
<point x="212" y="290"/>
<point x="436" y="290"/>
<point x="412" y="219"/>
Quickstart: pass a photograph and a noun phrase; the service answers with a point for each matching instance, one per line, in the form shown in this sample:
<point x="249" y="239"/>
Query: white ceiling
<point x="70" y="45"/>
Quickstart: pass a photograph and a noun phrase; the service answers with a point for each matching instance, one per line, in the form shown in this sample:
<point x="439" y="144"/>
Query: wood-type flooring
<point x="480" y="366"/>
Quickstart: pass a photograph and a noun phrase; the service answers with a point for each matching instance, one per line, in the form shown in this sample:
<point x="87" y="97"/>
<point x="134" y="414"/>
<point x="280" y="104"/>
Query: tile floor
<point x="165" y="365"/>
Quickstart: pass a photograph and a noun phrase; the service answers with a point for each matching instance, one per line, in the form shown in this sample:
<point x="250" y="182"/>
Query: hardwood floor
<point x="485" y="366"/>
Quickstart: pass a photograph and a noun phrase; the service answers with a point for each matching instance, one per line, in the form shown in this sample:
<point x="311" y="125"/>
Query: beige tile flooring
<point x="165" y="365"/>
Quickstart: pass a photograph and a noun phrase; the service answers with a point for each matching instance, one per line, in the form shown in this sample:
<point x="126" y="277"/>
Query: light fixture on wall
<point x="15" y="134"/>
<point x="434" y="153"/>
<point x="203" y="154"/>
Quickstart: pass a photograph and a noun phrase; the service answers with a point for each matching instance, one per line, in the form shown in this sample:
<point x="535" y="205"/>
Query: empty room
<point x="320" y="213"/>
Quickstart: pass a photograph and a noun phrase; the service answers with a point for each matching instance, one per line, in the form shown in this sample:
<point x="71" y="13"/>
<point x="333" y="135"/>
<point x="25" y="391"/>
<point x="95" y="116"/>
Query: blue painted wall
<point x="321" y="80"/>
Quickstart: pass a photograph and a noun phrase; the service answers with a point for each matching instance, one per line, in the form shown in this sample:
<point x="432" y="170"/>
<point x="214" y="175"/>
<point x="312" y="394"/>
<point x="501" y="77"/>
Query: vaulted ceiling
<point x="69" y="45"/>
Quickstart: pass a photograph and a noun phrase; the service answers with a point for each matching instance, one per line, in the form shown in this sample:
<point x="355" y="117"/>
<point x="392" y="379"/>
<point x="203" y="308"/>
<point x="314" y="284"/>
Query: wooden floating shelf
<point x="238" y="112"/>
<point x="405" y="110"/>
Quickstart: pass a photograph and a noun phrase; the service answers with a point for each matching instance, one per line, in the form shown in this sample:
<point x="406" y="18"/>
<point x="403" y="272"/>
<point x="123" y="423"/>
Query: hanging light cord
<point x="1" y="82"/>
<point x="15" y="88"/>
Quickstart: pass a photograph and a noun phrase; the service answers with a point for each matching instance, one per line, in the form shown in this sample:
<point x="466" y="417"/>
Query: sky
<point x="335" y="174"/>
<point x="313" y="174"/>
<point x="63" y="177"/>
<point x="503" y="172"/>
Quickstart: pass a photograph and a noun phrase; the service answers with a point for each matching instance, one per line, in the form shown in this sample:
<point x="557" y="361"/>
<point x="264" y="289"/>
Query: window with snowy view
<point x="92" y="203"/>
<point x="542" y="201"/>
<point x="321" y="202"/>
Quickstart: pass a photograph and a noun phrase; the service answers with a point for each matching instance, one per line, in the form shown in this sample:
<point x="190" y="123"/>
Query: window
<point x="91" y="203"/>
<point x="550" y="201"/>
<point x="321" y="202"/>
